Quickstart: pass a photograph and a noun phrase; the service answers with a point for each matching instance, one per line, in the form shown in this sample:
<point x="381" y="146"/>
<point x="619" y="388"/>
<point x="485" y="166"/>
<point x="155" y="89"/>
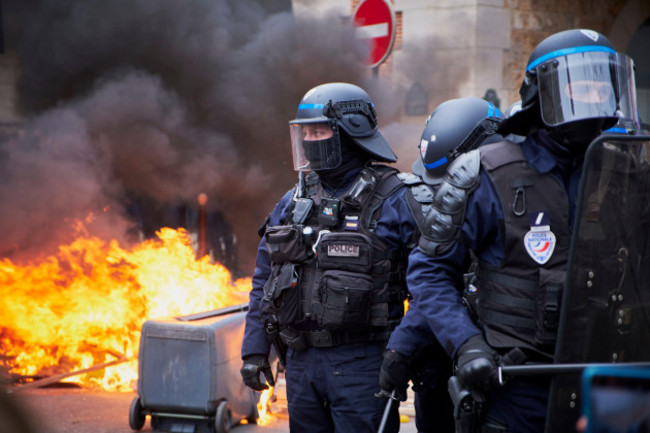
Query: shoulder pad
<point x="439" y="234"/>
<point x="463" y="171"/>
<point x="422" y="193"/>
<point x="440" y="226"/>
<point x="449" y="198"/>
<point x="410" y="178"/>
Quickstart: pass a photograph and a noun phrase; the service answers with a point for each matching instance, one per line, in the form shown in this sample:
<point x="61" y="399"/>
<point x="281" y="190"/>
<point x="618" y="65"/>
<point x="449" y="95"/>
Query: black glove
<point x="394" y="374"/>
<point x="476" y="365"/>
<point x="250" y="372"/>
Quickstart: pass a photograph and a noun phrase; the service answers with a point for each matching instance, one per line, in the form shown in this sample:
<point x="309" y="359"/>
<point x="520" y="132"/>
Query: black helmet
<point x="455" y="127"/>
<point x="572" y="76"/>
<point x="342" y="107"/>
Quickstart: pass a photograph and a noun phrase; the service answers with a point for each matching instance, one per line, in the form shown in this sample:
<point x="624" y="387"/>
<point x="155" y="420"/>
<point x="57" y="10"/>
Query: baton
<point x="389" y="405"/>
<point x="551" y="369"/>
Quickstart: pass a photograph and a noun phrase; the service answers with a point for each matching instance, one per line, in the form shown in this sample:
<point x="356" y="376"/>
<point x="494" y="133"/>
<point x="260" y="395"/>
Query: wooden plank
<point x="57" y="377"/>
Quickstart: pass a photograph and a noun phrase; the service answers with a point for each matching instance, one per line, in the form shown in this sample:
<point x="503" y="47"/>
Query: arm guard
<point x="444" y="220"/>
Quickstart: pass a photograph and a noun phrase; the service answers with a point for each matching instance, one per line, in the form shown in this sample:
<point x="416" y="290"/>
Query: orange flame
<point x="86" y="305"/>
<point x="263" y="407"/>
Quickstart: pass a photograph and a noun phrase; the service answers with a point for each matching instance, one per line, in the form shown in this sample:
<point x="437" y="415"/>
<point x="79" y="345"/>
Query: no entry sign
<point x="375" y="22"/>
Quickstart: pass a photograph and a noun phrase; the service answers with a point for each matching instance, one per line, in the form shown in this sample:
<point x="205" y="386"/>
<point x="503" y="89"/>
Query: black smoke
<point x="162" y="99"/>
<point x="159" y="98"/>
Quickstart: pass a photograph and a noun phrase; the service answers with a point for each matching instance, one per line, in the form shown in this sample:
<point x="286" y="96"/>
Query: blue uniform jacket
<point x="434" y="282"/>
<point x="395" y="226"/>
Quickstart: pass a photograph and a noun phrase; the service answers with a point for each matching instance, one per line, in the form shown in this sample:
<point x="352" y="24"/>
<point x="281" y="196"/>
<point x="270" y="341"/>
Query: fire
<point x="86" y="305"/>
<point x="263" y="406"/>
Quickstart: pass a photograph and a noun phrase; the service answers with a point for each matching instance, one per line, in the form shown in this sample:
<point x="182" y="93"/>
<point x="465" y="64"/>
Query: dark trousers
<point x="521" y="405"/>
<point x="333" y="390"/>
<point x="434" y="411"/>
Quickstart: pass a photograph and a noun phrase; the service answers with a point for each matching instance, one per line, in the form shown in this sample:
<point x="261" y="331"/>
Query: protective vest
<point x="519" y="300"/>
<point x="333" y="280"/>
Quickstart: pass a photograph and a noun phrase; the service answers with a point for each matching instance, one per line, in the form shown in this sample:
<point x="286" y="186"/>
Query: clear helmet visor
<point x="315" y="145"/>
<point x="628" y="113"/>
<point x="584" y="85"/>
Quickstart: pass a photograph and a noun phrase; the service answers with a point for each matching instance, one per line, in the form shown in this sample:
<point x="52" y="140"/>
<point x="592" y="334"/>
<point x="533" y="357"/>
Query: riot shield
<point x="605" y="311"/>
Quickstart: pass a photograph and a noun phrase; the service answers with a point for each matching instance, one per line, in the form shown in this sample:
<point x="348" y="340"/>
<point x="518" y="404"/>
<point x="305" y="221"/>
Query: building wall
<point x="494" y="38"/>
<point x="534" y="20"/>
<point x="472" y="33"/>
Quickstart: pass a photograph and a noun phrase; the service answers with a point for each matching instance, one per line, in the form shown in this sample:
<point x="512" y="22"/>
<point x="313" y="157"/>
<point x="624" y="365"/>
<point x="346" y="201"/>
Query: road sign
<point x="375" y="22"/>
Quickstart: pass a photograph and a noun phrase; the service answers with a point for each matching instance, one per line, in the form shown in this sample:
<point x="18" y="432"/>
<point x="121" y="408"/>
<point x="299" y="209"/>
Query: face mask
<point x="320" y="153"/>
<point x="352" y="160"/>
<point x="576" y="136"/>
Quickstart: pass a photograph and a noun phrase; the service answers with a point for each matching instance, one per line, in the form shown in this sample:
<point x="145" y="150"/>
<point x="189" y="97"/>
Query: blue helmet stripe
<point x="493" y="111"/>
<point x="617" y="130"/>
<point x="567" y="51"/>
<point x="437" y="163"/>
<point x="310" y="106"/>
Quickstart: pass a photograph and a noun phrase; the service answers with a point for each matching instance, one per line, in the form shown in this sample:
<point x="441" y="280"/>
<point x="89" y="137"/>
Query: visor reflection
<point x="589" y="91"/>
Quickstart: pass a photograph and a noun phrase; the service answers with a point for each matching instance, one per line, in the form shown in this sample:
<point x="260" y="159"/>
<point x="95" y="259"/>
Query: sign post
<point x="375" y="22"/>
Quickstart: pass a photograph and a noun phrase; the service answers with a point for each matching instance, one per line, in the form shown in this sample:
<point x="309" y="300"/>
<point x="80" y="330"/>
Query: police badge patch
<point x="423" y="147"/>
<point x="540" y="240"/>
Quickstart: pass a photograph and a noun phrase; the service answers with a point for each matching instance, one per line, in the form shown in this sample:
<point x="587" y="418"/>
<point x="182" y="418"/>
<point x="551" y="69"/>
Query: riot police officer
<point x="447" y="169"/>
<point x="329" y="285"/>
<point x="517" y="225"/>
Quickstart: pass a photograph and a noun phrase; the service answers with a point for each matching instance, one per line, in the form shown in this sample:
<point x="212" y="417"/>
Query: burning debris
<point x="85" y="305"/>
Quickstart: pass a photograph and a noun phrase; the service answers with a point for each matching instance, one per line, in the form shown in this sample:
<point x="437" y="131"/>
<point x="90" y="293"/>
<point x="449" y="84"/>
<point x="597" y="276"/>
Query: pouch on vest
<point x="345" y="299"/>
<point x="282" y="294"/>
<point x="346" y="252"/>
<point x="286" y="244"/>
<point x="547" y="305"/>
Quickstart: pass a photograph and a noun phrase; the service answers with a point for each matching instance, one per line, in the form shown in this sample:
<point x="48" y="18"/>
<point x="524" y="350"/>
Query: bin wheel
<point x="223" y="419"/>
<point x="136" y="415"/>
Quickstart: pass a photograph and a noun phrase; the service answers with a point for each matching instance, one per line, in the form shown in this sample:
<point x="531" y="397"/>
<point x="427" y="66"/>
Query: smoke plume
<point x="161" y="99"/>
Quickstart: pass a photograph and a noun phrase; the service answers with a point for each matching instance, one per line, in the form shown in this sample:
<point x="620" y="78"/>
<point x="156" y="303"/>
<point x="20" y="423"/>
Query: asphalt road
<point x="79" y="410"/>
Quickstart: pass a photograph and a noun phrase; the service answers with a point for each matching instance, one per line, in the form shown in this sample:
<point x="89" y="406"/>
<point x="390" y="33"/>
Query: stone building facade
<point x="492" y="39"/>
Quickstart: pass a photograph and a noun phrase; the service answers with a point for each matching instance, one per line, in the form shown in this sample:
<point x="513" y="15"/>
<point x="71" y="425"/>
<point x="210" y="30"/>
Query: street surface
<point x="80" y="410"/>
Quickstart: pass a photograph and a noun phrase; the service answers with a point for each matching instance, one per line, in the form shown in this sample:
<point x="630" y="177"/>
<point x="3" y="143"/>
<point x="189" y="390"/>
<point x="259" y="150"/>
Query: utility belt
<point x="301" y="340"/>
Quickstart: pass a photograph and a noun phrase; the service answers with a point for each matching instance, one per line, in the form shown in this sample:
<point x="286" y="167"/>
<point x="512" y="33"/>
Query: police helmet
<point x="573" y="76"/>
<point x="456" y="126"/>
<point x="337" y="109"/>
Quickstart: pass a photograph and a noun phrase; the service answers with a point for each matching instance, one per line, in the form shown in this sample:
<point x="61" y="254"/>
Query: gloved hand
<point x="394" y="374"/>
<point x="476" y="365"/>
<point x="250" y="372"/>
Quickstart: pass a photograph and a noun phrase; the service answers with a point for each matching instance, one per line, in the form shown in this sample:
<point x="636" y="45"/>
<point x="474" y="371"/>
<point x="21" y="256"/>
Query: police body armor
<point x="333" y="280"/>
<point x="519" y="299"/>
